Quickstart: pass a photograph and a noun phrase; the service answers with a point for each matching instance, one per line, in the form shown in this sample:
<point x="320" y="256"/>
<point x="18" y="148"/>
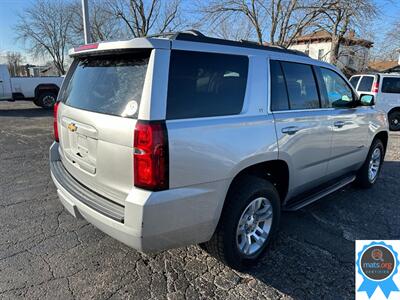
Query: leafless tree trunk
<point x="14" y="62"/>
<point x="44" y="27"/>
<point x="142" y="18"/>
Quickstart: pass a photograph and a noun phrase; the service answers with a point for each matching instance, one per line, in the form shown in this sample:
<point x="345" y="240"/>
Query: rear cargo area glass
<point x="391" y="85"/>
<point x="206" y="84"/>
<point x="108" y="84"/>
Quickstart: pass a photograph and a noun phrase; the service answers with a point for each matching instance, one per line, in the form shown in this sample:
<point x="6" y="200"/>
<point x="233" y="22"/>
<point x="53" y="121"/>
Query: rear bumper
<point x="149" y="221"/>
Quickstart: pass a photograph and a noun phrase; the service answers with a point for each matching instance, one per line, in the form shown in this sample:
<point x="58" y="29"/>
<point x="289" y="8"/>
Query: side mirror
<point x="367" y="100"/>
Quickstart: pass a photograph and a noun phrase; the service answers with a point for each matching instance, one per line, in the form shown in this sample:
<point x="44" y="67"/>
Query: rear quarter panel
<point x="214" y="149"/>
<point x="204" y="150"/>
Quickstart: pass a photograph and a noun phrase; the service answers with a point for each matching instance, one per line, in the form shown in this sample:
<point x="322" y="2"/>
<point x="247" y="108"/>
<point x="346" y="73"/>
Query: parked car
<point x="386" y="90"/>
<point x="42" y="90"/>
<point x="185" y="139"/>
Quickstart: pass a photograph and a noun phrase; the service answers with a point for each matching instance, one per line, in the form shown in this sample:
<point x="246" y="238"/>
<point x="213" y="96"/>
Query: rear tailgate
<point x="97" y="117"/>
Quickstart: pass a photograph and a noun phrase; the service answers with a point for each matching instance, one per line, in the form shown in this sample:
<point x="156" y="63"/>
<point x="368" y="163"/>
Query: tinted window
<point x="107" y="84"/>
<point x="338" y="92"/>
<point x="279" y="97"/>
<point x="205" y="84"/>
<point x="354" y="80"/>
<point x="391" y="85"/>
<point x="366" y="84"/>
<point x="301" y="86"/>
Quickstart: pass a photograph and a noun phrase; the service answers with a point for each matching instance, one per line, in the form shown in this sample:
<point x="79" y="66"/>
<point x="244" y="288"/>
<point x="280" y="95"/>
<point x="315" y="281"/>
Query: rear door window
<point x="391" y="85"/>
<point x="206" y="84"/>
<point x="279" y="96"/>
<point x="301" y="86"/>
<point x="354" y="81"/>
<point x="366" y="84"/>
<point x="107" y="84"/>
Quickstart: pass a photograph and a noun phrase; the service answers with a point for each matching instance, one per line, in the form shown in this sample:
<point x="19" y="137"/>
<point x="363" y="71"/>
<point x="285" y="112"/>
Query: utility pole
<point x="85" y="19"/>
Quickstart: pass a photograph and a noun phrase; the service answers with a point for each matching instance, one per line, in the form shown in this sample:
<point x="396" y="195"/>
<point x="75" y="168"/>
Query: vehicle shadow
<point x="313" y="255"/>
<point x="25" y="112"/>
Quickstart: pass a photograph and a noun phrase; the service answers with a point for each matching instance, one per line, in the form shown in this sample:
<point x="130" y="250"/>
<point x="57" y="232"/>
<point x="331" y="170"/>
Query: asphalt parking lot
<point x="46" y="254"/>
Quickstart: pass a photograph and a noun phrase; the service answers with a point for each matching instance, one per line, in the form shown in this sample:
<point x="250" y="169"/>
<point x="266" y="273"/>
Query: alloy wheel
<point x="254" y="226"/>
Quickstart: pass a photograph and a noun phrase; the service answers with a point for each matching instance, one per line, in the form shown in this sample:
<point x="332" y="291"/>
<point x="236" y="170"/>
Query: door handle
<point x="290" y="130"/>
<point x="339" y="124"/>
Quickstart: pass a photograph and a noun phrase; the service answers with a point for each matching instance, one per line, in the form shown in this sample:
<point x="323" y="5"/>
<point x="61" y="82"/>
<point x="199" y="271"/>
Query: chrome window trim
<point x="303" y="110"/>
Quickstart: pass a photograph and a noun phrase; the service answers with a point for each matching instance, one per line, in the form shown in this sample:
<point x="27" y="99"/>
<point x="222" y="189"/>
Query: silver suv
<point x="162" y="142"/>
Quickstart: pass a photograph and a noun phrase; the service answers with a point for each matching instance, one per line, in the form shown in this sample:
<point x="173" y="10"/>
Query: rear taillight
<point x="55" y="121"/>
<point x="150" y="158"/>
<point x="375" y="87"/>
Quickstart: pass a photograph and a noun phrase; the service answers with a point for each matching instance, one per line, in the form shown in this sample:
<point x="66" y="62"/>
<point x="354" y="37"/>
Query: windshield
<point x="107" y="84"/>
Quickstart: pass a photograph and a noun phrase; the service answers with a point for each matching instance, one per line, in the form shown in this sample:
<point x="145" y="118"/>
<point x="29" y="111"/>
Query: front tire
<point x="369" y="172"/>
<point x="248" y="222"/>
<point x="394" y="121"/>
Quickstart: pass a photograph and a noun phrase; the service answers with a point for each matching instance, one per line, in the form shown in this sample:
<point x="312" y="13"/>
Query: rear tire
<point x="46" y="100"/>
<point x="394" y="121"/>
<point x="370" y="170"/>
<point x="239" y="224"/>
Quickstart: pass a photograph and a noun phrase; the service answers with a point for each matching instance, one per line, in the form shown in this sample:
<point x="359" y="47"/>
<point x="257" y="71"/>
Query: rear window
<point x="391" y="85"/>
<point x="366" y="84"/>
<point x="205" y="84"/>
<point x="107" y="84"/>
<point x="354" y="80"/>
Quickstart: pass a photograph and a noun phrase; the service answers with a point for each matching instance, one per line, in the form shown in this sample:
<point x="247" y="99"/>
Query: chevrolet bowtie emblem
<point x="72" y="127"/>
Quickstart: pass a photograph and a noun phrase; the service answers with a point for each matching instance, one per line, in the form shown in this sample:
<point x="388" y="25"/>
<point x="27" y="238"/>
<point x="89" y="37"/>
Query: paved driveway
<point x="46" y="253"/>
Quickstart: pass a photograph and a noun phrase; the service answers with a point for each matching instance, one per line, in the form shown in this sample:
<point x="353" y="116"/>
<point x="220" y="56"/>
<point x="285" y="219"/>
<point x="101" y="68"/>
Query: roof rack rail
<point x="196" y="36"/>
<point x="174" y="35"/>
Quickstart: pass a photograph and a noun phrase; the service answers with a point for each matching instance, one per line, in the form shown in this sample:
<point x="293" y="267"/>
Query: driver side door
<point x="349" y="123"/>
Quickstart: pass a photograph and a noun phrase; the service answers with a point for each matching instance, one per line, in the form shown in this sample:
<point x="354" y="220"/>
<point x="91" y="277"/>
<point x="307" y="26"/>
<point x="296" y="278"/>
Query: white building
<point x="353" y="52"/>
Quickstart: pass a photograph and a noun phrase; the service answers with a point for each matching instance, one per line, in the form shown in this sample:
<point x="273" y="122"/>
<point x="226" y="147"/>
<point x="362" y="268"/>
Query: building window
<point x="321" y="54"/>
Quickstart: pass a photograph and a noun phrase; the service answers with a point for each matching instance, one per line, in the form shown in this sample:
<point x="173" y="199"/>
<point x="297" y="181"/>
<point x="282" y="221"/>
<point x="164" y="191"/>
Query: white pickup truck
<point x="42" y="90"/>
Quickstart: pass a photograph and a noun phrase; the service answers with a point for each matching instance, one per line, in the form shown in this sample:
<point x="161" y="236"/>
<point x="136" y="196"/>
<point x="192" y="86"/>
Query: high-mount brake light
<point x="86" y="47"/>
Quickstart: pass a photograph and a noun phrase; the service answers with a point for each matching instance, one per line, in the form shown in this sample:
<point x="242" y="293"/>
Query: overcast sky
<point x="390" y="10"/>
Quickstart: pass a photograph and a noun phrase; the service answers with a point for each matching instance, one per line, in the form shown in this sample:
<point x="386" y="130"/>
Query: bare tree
<point x="217" y="12"/>
<point x="290" y="18"/>
<point x="341" y="16"/>
<point x="389" y="47"/>
<point x="142" y="18"/>
<point x="14" y="62"/>
<point x="103" y="25"/>
<point x="275" y="21"/>
<point x="45" y="28"/>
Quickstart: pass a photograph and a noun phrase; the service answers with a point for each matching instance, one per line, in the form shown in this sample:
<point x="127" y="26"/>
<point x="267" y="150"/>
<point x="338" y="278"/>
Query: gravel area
<point x="47" y="254"/>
